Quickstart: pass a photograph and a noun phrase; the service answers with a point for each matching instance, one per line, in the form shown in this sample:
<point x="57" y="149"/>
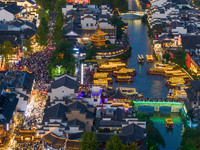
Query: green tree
<point x="119" y="24"/>
<point x="46" y="4"/>
<point x="133" y="146"/>
<point x="7" y="52"/>
<point x="154" y="138"/>
<point x="58" y="26"/>
<point x="180" y="57"/>
<point x="114" y="143"/>
<point x="190" y="114"/>
<point x="62" y="55"/>
<point x="91" y="53"/>
<point x="89" y="141"/>
<point x="27" y="44"/>
<point x="190" y="139"/>
<point x="42" y="32"/>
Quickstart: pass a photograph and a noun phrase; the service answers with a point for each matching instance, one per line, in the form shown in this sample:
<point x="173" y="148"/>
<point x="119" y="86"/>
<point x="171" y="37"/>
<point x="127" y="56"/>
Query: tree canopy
<point x="119" y="24"/>
<point x="42" y="32"/>
<point x="27" y="45"/>
<point x="6" y="51"/>
<point x="190" y="139"/>
<point x="89" y="141"/>
<point x="62" y="55"/>
<point x="46" y="4"/>
<point x="58" y="26"/>
<point x="154" y="138"/>
<point x="114" y="143"/>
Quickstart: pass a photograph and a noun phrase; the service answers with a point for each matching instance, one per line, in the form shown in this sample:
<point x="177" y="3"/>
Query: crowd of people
<point x="36" y="63"/>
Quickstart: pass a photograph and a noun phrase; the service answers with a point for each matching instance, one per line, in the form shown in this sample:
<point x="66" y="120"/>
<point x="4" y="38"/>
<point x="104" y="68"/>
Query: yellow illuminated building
<point x="98" y="38"/>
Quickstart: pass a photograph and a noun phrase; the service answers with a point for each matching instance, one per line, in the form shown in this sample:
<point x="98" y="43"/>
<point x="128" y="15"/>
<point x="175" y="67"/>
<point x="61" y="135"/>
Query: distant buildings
<point x="172" y="21"/>
<point x="84" y="23"/>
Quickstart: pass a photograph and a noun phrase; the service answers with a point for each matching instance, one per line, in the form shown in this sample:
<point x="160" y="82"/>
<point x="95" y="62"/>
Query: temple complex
<point x="98" y="38"/>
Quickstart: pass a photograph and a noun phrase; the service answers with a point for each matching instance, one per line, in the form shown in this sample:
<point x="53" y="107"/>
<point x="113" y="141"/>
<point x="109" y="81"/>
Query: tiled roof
<point x="191" y="41"/>
<point x="27" y="82"/>
<point x="195" y="85"/>
<point x="79" y="106"/>
<point x="56" y="111"/>
<point x="54" y="140"/>
<point x="14" y="9"/>
<point x="8" y="104"/>
<point x="75" y="123"/>
<point x="65" y="81"/>
<point x="191" y="95"/>
<point x="118" y="95"/>
<point x="130" y="133"/>
<point x="110" y="123"/>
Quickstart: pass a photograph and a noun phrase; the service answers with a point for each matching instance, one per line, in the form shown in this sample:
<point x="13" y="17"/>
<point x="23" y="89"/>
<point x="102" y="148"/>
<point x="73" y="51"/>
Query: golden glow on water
<point x="157" y="84"/>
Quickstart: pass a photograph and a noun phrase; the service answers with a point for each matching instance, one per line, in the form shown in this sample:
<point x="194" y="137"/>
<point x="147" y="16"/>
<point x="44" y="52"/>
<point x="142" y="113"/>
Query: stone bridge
<point x="175" y="106"/>
<point x="132" y="14"/>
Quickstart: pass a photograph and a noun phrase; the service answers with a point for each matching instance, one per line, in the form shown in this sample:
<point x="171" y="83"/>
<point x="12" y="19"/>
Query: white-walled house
<point x="88" y="21"/>
<point x="64" y="85"/>
<point x="10" y="12"/>
<point x="95" y="98"/>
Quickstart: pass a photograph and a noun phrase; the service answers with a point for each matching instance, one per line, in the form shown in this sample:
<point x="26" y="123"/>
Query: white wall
<point x="67" y="8"/>
<point x="25" y="3"/>
<point x="5" y="15"/>
<point x="22" y="104"/>
<point x="89" y="22"/>
<point x="179" y="30"/>
<point x="60" y="93"/>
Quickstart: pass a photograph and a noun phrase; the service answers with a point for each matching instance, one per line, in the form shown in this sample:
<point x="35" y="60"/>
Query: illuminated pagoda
<point x="98" y="38"/>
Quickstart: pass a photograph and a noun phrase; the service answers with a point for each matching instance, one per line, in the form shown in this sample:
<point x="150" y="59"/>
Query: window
<point x="95" y="100"/>
<point x="86" y="24"/>
<point x="62" y="91"/>
<point x="91" y="24"/>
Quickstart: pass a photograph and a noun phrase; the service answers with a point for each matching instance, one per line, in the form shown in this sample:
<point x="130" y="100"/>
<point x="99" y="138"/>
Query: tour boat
<point x="124" y="79"/>
<point x="140" y="58"/>
<point x="129" y="91"/>
<point x="125" y="71"/>
<point x="169" y="123"/>
<point x="149" y="58"/>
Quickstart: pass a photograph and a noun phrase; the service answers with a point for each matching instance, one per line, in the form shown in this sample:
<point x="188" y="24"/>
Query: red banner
<point x="188" y="61"/>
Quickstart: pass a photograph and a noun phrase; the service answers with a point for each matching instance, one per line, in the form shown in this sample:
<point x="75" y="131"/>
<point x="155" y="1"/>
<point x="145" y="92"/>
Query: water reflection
<point x="172" y="137"/>
<point x="148" y="85"/>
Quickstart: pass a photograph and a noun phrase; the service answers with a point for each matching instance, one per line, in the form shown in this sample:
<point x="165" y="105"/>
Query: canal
<point x="150" y="86"/>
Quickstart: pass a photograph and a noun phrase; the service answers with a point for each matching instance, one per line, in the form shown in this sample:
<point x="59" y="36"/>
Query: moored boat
<point x="124" y="79"/>
<point x="149" y="58"/>
<point x="129" y="91"/>
<point x="140" y="58"/>
<point x="169" y="123"/>
<point x="125" y="71"/>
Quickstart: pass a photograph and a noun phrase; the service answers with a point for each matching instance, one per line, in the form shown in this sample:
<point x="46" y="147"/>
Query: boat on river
<point x="129" y="91"/>
<point x="125" y="71"/>
<point x="124" y="79"/>
<point x="169" y="123"/>
<point x="159" y="70"/>
<point x="140" y="58"/>
<point x="149" y="58"/>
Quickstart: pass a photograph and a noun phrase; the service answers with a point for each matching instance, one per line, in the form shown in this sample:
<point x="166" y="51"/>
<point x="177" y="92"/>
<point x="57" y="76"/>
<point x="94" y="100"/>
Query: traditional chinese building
<point x="98" y="38"/>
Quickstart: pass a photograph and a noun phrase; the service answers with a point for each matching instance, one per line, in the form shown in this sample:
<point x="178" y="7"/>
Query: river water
<point x="149" y="85"/>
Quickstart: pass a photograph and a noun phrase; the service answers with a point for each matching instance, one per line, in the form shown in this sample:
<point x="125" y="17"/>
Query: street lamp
<point x="59" y="67"/>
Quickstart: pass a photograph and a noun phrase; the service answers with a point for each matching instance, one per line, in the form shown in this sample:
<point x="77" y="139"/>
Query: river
<point x="149" y="85"/>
